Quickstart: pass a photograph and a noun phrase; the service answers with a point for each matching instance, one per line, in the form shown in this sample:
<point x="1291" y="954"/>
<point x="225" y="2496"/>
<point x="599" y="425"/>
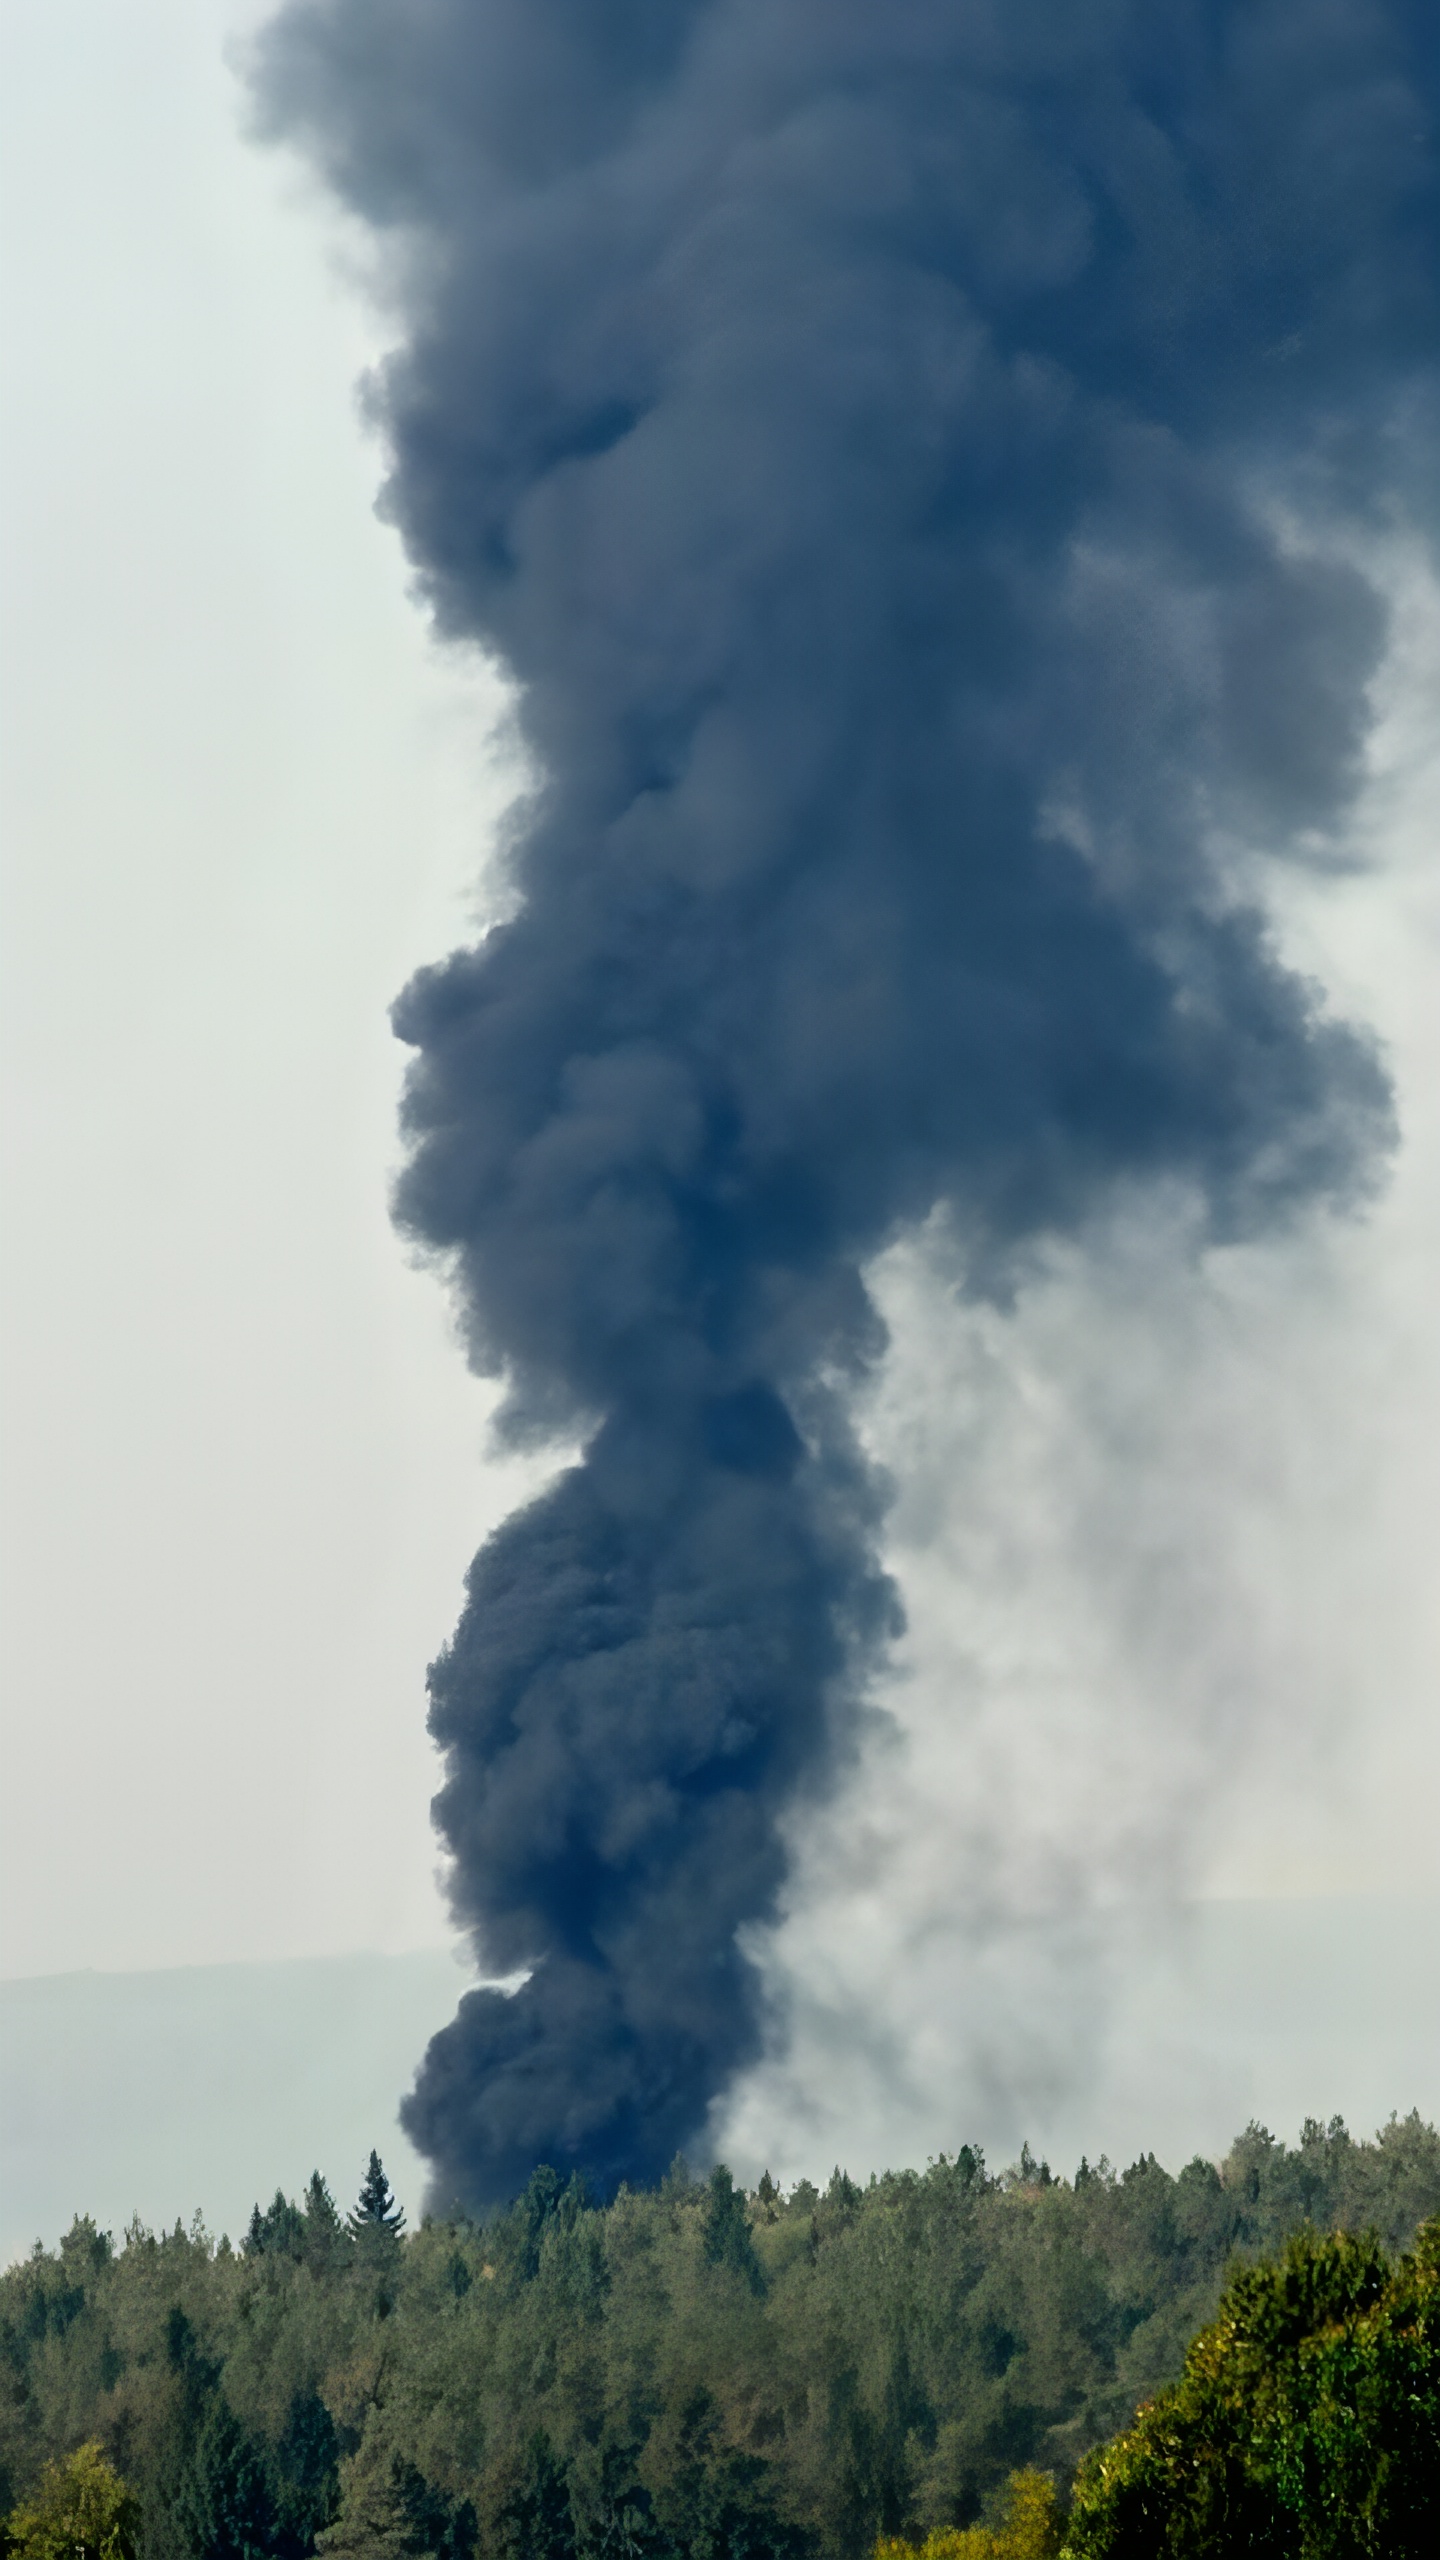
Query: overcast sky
<point x="242" y="800"/>
<point x="244" y="1465"/>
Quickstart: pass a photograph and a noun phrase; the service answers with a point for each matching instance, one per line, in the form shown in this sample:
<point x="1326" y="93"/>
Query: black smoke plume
<point x="871" y="432"/>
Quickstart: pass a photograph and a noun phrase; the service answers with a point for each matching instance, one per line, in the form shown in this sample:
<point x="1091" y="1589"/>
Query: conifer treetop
<point x="376" y="2208"/>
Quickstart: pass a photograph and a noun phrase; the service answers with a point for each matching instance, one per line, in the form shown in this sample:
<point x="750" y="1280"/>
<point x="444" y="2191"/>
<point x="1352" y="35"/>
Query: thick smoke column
<point x="860" y="430"/>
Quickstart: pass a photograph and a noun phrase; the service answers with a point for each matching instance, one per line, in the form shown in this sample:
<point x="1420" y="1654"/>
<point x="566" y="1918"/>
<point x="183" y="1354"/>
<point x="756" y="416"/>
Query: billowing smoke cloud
<point x="873" y="438"/>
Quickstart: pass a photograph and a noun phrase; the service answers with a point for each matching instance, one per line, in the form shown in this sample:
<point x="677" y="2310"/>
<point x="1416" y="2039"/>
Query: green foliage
<point x="1028" y="2527"/>
<point x="375" y="2208"/>
<point x="388" y="2510"/>
<point x="82" y="2511"/>
<point x="1306" y="2424"/>
<point x="726" y="2240"/>
<point x="280" y="2229"/>
<point x="325" y="2240"/>
<point x="225" y="2504"/>
<point x="686" y="2374"/>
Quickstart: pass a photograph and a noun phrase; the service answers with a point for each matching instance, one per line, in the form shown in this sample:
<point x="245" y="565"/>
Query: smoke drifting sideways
<point x="878" y="444"/>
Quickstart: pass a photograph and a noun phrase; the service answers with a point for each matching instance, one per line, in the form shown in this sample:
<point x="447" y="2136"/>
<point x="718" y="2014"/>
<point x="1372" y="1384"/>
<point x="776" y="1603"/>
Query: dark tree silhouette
<point x="376" y="2208"/>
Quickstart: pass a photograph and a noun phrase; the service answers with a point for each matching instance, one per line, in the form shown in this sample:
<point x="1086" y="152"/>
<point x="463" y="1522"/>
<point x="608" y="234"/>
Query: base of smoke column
<point x="555" y="2072"/>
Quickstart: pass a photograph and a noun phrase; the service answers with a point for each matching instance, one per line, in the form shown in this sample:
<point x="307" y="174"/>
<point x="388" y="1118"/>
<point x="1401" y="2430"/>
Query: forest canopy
<point x="690" y="2370"/>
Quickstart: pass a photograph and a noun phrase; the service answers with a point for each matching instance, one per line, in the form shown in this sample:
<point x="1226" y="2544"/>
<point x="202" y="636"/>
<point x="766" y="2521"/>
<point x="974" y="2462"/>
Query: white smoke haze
<point x="1164" y="1531"/>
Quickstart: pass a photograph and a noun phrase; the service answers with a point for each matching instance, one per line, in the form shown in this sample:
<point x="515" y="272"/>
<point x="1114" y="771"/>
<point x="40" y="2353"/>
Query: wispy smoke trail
<point x="858" y="430"/>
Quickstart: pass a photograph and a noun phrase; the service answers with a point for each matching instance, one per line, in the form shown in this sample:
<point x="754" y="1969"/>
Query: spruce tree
<point x="376" y="2208"/>
<point x="725" y="2230"/>
<point x="326" y="2240"/>
<point x="279" y="2230"/>
<point x="320" y="2204"/>
<point x="224" y="2505"/>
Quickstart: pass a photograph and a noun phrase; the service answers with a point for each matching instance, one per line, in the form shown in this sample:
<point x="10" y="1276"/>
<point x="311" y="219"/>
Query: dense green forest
<point x="689" y="2371"/>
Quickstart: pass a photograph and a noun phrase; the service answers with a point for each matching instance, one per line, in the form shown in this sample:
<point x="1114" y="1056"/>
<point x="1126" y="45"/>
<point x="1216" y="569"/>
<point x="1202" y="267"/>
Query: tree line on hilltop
<point x="931" y="2360"/>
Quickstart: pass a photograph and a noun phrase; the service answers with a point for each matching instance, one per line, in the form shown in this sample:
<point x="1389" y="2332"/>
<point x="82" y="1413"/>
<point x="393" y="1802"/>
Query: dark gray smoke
<point x="860" y="427"/>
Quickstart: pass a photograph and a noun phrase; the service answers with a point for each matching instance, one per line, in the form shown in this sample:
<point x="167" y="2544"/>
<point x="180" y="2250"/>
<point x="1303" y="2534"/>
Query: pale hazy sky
<point x="242" y="800"/>
<point x="1168" y="1539"/>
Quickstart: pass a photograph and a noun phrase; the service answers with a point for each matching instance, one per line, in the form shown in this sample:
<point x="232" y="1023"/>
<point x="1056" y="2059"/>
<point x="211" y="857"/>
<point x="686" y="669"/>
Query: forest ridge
<point x="686" y="2368"/>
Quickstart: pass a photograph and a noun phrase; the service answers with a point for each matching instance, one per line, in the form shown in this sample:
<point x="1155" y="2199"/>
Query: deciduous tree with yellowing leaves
<point x="83" y="2511"/>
